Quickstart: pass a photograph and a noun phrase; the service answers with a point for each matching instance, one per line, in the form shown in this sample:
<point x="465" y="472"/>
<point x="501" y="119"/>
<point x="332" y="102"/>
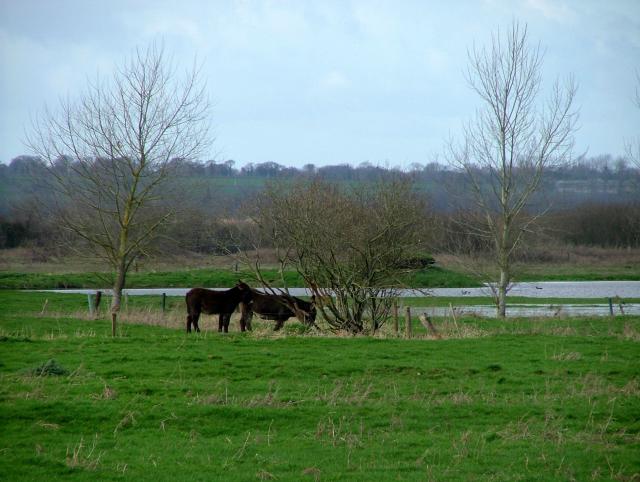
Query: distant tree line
<point x="601" y="167"/>
<point x="594" y="201"/>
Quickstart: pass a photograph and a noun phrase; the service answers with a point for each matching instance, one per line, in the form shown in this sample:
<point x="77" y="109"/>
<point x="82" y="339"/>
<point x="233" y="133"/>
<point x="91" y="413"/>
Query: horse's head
<point x="311" y="312"/>
<point x="245" y="291"/>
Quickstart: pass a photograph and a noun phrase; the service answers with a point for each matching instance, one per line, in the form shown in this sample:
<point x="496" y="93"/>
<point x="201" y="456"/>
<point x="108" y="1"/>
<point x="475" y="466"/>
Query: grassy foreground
<point x="522" y="400"/>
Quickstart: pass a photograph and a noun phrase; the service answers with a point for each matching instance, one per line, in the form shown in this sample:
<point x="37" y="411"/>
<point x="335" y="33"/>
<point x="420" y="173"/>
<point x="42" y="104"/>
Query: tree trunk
<point x="502" y="291"/>
<point x="503" y="260"/>
<point x="118" y="285"/>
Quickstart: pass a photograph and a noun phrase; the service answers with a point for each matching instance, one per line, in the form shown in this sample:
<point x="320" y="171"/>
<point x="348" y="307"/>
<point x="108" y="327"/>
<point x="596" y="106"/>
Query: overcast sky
<point x="323" y="81"/>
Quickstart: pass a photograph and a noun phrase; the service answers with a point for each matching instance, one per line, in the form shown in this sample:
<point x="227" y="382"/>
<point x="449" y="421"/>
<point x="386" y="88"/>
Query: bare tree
<point x="512" y="140"/>
<point x="633" y="146"/>
<point x="110" y="154"/>
<point x="351" y="246"/>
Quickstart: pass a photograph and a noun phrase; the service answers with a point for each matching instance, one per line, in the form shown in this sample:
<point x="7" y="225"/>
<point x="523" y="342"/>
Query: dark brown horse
<point x="279" y="308"/>
<point x="222" y="303"/>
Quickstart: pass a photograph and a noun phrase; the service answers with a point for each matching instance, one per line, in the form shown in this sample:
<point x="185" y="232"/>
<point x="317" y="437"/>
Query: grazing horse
<point x="279" y="308"/>
<point x="222" y="303"/>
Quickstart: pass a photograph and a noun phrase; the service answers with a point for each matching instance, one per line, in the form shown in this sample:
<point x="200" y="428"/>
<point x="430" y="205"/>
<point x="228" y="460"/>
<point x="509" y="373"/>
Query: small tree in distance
<point x="512" y="140"/>
<point x="110" y="154"/>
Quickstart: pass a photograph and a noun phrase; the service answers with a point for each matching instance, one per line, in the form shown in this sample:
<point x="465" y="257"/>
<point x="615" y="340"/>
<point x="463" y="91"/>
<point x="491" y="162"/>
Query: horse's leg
<point x="192" y="319"/>
<point x="227" y="319"/>
<point x="279" y="324"/>
<point x="245" y="321"/>
<point x="243" y="317"/>
<point x="220" y="322"/>
<point x="246" y="313"/>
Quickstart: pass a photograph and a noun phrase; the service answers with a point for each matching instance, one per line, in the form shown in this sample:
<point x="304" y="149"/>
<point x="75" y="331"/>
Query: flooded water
<point x="516" y="310"/>
<point x="556" y="289"/>
<point x="601" y="290"/>
<point x="548" y="289"/>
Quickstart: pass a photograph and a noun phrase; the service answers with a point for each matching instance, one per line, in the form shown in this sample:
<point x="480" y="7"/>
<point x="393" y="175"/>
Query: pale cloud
<point x="374" y="20"/>
<point x="275" y="19"/>
<point x="437" y="59"/>
<point x="552" y="9"/>
<point x="159" y="24"/>
<point x="335" y="80"/>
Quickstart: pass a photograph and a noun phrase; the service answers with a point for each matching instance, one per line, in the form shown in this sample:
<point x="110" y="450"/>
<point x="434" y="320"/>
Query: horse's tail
<point x="193" y="309"/>
<point x="192" y="301"/>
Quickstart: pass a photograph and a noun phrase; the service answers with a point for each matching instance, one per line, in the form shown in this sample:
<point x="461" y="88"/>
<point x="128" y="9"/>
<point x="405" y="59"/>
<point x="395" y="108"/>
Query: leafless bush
<point x="350" y="245"/>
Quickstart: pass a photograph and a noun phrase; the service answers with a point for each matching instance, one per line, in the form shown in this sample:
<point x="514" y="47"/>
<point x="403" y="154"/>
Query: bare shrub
<point x="350" y="245"/>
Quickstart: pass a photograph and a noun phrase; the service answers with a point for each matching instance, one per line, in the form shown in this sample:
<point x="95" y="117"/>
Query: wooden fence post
<point x="408" y="328"/>
<point x="114" y="316"/>
<point x="453" y="315"/>
<point x="395" y="317"/>
<point x="426" y="322"/>
<point x="98" y="299"/>
<point x="164" y="301"/>
<point x="610" y="307"/>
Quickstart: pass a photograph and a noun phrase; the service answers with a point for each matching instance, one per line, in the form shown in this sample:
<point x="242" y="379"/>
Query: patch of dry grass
<point x="83" y="456"/>
<point x="570" y="356"/>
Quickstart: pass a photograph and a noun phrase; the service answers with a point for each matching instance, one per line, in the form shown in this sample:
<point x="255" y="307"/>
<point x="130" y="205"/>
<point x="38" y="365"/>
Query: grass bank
<point x="523" y="400"/>
<point x="209" y="278"/>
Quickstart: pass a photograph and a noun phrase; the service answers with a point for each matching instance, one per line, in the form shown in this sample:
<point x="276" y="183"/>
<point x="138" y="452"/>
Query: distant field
<point x="212" y="278"/>
<point x="567" y="263"/>
<point x="522" y="400"/>
<point x="23" y="268"/>
<point x="435" y="277"/>
<point x="629" y="272"/>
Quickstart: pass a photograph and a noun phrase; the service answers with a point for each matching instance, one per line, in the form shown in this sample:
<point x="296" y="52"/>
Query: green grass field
<point x="434" y="277"/>
<point x="518" y="400"/>
<point x="211" y="278"/>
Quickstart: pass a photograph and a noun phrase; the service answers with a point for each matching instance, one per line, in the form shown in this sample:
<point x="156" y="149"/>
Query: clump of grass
<point x="47" y="425"/>
<point x="455" y="330"/>
<point x="81" y="456"/>
<point x="49" y="368"/>
<point x="567" y="356"/>
<point x="629" y="332"/>
<point x="107" y="393"/>
<point x="312" y="472"/>
<point x="343" y="431"/>
<point x="128" y="420"/>
<point x="264" y="475"/>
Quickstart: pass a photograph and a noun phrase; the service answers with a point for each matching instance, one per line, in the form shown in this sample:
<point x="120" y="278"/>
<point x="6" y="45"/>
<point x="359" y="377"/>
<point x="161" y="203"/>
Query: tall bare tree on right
<point x="633" y="146"/>
<point x="513" y="138"/>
